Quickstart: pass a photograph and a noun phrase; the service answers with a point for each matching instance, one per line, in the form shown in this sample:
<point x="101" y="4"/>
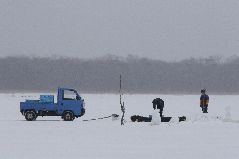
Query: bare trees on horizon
<point x="140" y="75"/>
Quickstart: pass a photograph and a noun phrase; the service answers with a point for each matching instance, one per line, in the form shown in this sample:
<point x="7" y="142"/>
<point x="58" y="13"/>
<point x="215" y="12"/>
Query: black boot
<point x="205" y="109"/>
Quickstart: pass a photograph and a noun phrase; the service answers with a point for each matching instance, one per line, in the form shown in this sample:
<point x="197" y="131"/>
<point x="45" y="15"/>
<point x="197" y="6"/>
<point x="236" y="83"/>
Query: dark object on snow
<point x="138" y="118"/>
<point x="115" y="115"/>
<point x="204" y="100"/>
<point x="182" y="118"/>
<point x="166" y="119"/>
<point x="158" y="104"/>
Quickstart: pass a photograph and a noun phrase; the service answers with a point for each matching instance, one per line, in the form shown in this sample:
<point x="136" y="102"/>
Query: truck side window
<point x="69" y="95"/>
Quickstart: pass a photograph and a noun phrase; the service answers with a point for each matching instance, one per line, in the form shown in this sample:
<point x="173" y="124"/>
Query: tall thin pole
<point x="121" y="103"/>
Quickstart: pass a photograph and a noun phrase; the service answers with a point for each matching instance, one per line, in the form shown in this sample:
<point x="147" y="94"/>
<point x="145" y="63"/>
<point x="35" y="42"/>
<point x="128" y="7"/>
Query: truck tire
<point x="68" y="116"/>
<point x="30" y="115"/>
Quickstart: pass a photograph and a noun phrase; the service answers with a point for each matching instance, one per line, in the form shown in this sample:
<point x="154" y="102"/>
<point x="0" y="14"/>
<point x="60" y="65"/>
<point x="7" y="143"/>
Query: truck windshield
<point x="69" y="95"/>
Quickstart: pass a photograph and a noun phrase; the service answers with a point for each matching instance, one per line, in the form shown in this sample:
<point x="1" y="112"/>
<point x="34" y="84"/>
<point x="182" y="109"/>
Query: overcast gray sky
<point x="161" y="29"/>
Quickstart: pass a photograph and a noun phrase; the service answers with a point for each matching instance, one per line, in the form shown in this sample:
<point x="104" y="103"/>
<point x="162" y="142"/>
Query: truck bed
<point x="38" y="106"/>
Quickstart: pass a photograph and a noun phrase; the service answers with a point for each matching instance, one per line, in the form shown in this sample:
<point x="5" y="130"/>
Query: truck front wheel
<point x="30" y="115"/>
<point x="68" y="116"/>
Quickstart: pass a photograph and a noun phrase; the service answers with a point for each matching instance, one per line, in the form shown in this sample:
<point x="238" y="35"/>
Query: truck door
<point x="70" y="101"/>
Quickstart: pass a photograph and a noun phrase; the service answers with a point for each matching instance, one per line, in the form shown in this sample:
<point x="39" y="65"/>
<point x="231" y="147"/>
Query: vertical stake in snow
<point x="121" y="103"/>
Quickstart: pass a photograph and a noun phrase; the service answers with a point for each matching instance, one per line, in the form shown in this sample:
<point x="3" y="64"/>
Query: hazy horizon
<point x="140" y="75"/>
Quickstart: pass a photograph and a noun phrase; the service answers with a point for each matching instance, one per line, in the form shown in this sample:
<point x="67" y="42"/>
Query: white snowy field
<point x="201" y="137"/>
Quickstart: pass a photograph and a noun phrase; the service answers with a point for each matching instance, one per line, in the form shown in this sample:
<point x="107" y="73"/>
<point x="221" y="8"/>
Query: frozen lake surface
<point x="200" y="137"/>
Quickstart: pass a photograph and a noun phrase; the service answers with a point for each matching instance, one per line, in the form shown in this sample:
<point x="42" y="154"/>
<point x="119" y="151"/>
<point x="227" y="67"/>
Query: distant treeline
<point x="101" y="75"/>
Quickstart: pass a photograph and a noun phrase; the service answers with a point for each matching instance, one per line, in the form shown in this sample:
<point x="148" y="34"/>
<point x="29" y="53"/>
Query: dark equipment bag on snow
<point x="138" y="118"/>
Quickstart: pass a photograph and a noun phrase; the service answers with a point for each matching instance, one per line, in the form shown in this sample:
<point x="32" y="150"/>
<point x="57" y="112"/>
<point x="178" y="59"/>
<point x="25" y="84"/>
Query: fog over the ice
<point x="157" y="29"/>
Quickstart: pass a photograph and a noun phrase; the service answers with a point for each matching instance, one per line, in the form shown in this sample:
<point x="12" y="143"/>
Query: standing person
<point x="204" y="100"/>
<point x="158" y="104"/>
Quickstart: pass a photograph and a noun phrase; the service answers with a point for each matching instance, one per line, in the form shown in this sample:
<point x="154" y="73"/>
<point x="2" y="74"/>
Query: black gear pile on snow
<point x="137" y="118"/>
<point x="183" y="118"/>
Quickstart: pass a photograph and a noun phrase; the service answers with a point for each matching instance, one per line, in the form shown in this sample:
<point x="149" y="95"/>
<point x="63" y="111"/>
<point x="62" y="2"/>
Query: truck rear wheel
<point x="68" y="116"/>
<point x="30" y="115"/>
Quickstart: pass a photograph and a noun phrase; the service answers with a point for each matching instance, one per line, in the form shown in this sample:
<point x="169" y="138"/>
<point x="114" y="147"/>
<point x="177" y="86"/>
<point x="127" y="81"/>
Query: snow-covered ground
<point x="201" y="137"/>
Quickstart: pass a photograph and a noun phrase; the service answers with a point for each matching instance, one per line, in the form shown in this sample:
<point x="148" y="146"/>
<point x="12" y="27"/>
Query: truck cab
<point x="69" y="105"/>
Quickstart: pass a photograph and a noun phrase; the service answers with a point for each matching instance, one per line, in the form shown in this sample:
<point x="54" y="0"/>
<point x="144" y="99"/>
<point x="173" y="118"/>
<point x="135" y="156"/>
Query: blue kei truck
<point x="69" y="106"/>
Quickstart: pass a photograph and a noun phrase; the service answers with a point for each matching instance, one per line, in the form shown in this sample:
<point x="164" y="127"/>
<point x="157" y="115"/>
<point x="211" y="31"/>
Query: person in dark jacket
<point x="204" y="100"/>
<point x="158" y="104"/>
